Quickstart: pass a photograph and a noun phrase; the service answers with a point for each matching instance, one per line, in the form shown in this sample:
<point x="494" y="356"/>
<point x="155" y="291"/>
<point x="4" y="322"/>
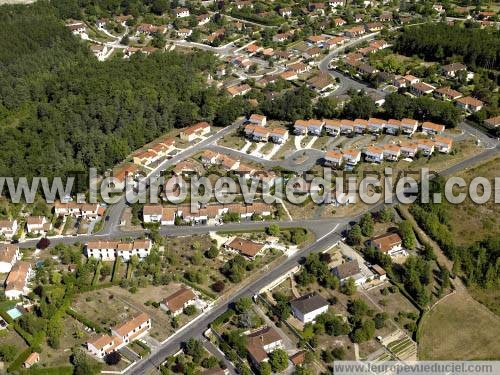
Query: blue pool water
<point x="14" y="313"/>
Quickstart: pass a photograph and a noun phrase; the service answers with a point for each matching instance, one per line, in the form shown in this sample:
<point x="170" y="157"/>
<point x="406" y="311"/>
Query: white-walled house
<point x="38" y="224"/>
<point x="308" y="307"/>
<point x="17" y="281"/>
<point x="8" y="228"/>
<point x="178" y="301"/>
<point x="110" y="250"/>
<point x="389" y="243"/>
<point x="9" y="255"/>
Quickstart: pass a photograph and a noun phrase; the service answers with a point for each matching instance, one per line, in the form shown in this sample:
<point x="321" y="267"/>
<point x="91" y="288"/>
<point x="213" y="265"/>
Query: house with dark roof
<point x="348" y="270"/>
<point x="262" y="342"/>
<point x="308" y="307"/>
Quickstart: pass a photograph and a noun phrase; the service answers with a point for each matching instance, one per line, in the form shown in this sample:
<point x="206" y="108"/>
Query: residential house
<point x="391" y="152"/>
<point x="203" y="19"/>
<point x="360" y="126"/>
<point x="385" y="17"/>
<point x="195" y="131"/>
<point x="333" y="158"/>
<point x="302" y="127"/>
<point x="247" y="248"/>
<point x="281" y="37"/>
<point x="134" y="329"/>
<point x="8" y="228"/>
<point x="411" y="80"/>
<point x="446" y="93"/>
<point x="38" y="224"/>
<point x="377" y="98"/>
<point x="349" y="270"/>
<point x="379" y="272"/>
<point x="332" y="127"/>
<point x="426" y="146"/>
<point x="16" y="284"/>
<point x="354" y="31"/>
<point x="209" y="158"/>
<point x="184" y="33"/>
<point x="9" y="255"/>
<point x="312" y="53"/>
<point x="285" y="12"/>
<point x="376" y="125"/>
<point x="299" y="67"/>
<point x="77" y="28"/>
<point x="374" y="26"/>
<point x="336" y="3"/>
<point x="492" y="122"/>
<point x="279" y="135"/>
<point x="339" y="22"/>
<point x="178" y="301"/>
<point x="389" y="243"/>
<point x="239" y="90"/>
<point x="421" y="88"/>
<point x="181" y="12"/>
<point x="99" y="50"/>
<point x="393" y="127"/>
<point x="104" y="344"/>
<point x="443" y="144"/>
<point x="289" y="75"/>
<point x="366" y="69"/>
<point x="351" y="157"/>
<point x="321" y="82"/>
<point x="409" y="126"/>
<point x="257" y="119"/>
<point x="374" y="154"/>
<point x="346" y="126"/>
<point x="451" y="70"/>
<point x="334" y="42"/>
<point x="408" y="149"/>
<point x="315" y="40"/>
<point x="468" y="103"/>
<point x="32" y="360"/>
<point x="148" y="29"/>
<point x="260" y="134"/>
<point x="262" y="342"/>
<point x="432" y="128"/>
<point x="307" y="307"/>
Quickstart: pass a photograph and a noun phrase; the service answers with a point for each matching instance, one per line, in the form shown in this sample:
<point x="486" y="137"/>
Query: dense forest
<point x="61" y="110"/>
<point x="440" y="42"/>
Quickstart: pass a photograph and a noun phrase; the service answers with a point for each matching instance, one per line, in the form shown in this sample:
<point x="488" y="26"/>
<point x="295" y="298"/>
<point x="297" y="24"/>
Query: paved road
<point x="115" y="211"/>
<point x="196" y="329"/>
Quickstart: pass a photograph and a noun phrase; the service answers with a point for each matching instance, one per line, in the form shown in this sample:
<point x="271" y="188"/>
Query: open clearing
<point x="460" y="328"/>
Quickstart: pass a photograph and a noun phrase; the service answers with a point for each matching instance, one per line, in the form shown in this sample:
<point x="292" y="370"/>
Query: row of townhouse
<point x="360" y="126"/>
<point x="110" y="250"/>
<point x="204" y="215"/>
<point x="83" y="210"/>
<point x="261" y="134"/>
<point x="154" y="153"/>
<point x="121" y="335"/>
<point x="389" y="152"/>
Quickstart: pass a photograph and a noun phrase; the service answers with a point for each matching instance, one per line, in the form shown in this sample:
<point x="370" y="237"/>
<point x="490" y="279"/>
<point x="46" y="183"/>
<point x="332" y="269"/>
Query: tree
<point x="213" y="252"/>
<point x="43" y="243"/>
<point x="218" y="286"/>
<point x="278" y="359"/>
<point x="112" y="358"/>
<point x="349" y="287"/>
<point x="326" y="107"/>
<point x="105" y="270"/>
<point x="407" y="235"/>
<point x="380" y="319"/>
<point x="242" y="305"/>
<point x="354" y="236"/>
<point x="159" y="6"/>
<point x="366" y="224"/>
<point x="386" y="214"/>
<point x="190" y="310"/>
<point x="8" y="352"/>
<point x="265" y="368"/>
<point x="83" y="364"/>
<point x="360" y="106"/>
<point x="273" y="230"/>
<point x="195" y="350"/>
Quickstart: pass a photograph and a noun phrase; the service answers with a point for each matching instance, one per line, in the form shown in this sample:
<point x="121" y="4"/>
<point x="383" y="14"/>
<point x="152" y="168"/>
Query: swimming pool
<point x="14" y="313"/>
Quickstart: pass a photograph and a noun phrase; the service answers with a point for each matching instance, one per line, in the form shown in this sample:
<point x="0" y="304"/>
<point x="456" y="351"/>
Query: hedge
<point x="86" y="322"/>
<point x="223" y="318"/>
<point x="115" y="269"/>
<point x="199" y="289"/>
<point x="67" y="370"/>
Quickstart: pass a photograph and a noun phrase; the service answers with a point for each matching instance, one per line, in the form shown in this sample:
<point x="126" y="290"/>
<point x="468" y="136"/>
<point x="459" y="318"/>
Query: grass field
<point x="460" y="328"/>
